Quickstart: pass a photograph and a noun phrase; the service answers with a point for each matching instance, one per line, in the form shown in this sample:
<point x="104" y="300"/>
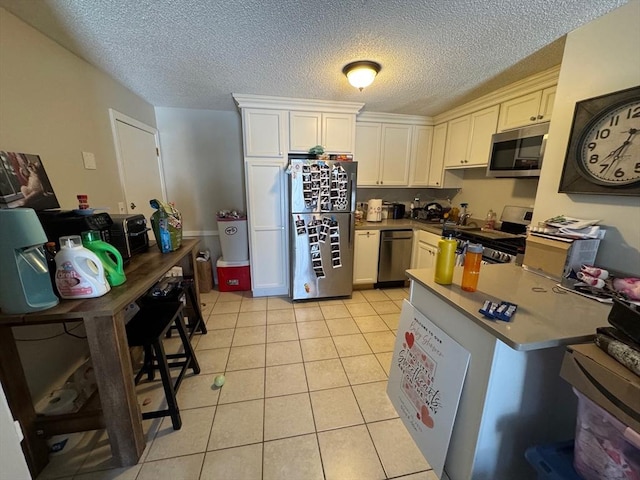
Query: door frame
<point x="116" y="116"/>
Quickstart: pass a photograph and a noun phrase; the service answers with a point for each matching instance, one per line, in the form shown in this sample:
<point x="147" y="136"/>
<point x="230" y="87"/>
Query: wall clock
<point x="603" y="156"/>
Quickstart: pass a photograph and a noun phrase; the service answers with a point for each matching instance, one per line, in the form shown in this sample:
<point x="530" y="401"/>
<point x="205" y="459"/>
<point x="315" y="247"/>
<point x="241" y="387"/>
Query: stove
<point x="505" y="245"/>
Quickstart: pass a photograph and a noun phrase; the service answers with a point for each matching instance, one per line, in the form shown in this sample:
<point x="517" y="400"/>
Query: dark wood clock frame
<point x="586" y="112"/>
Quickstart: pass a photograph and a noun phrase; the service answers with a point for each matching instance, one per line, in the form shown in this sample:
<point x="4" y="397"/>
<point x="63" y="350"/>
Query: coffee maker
<point x="25" y="284"/>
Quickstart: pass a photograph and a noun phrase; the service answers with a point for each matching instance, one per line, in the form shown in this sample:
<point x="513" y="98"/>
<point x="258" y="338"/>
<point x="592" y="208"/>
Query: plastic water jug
<point x="79" y="272"/>
<point x="109" y="256"/>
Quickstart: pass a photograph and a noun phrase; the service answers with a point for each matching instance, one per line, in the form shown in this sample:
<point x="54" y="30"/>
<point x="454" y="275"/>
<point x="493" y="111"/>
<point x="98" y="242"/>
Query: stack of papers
<point x="569" y="227"/>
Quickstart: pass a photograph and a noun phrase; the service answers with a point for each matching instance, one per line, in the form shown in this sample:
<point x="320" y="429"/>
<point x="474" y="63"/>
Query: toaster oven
<point x="129" y="234"/>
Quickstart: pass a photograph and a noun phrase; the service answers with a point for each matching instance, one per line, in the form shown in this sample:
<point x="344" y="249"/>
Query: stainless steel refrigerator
<point x="322" y="204"/>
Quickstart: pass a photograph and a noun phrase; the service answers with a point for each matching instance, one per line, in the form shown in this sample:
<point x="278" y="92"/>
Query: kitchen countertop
<point x="402" y="223"/>
<point x="547" y="316"/>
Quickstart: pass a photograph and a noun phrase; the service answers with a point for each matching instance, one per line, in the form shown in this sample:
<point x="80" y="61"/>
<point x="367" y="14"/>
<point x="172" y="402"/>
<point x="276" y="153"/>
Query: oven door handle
<point x="137" y="234"/>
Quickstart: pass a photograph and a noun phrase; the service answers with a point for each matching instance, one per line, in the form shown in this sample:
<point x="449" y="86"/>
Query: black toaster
<point x="129" y="234"/>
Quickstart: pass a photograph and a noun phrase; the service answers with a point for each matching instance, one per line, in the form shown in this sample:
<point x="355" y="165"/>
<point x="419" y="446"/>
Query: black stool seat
<point x="147" y="329"/>
<point x="174" y="289"/>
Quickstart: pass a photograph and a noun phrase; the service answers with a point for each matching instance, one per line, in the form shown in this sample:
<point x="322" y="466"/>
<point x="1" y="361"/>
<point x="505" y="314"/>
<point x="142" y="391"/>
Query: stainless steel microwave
<point x="519" y="152"/>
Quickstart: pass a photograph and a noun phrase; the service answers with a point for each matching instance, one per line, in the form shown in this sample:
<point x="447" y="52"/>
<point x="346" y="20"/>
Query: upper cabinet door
<point x="367" y="153"/>
<point x="421" y="155"/>
<point x="546" y="104"/>
<point x="520" y="111"/>
<point x="483" y="126"/>
<point x="456" y="150"/>
<point x="304" y="130"/>
<point x="437" y="155"/>
<point x="264" y="132"/>
<point x="338" y="132"/>
<point x="396" y="154"/>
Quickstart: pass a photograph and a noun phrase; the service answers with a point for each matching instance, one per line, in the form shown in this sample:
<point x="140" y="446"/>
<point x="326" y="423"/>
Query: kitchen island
<point x="513" y="396"/>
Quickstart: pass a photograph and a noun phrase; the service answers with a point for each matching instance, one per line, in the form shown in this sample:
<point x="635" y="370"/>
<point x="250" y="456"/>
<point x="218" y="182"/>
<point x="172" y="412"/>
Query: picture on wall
<point x="24" y="182"/>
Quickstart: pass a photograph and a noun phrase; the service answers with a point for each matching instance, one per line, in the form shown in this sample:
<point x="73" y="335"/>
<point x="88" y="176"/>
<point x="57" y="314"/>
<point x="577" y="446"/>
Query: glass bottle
<point x="490" y="221"/>
<point x="471" y="272"/>
<point x="50" y="254"/>
<point x="446" y="259"/>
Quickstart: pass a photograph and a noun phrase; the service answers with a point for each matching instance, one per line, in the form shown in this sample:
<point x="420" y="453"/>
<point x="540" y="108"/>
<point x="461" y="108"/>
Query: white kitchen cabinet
<point x="469" y="138"/>
<point x="527" y="109"/>
<point x="305" y="130"/>
<point x="264" y="132"/>
<point x="367" y="152"/>
<point x="425" y="249"/>
<point x="338" y="132"/>
<point x="458" y="133"/>
<point x="396" y="155"/>
<point x="383" y="153"/>
<point x="365" y="257"/>
<point x="268" y="219"/>
<point x="420" y="155"/>
<point x="483" y="125"/>
<point x="438" y="176"/>
<point x="265" y="128"/>
<point x="334" y="131"/>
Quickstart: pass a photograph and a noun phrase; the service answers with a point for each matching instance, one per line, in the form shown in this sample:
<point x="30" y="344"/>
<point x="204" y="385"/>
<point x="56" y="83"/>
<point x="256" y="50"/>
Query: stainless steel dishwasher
<point x="395" y="256"/>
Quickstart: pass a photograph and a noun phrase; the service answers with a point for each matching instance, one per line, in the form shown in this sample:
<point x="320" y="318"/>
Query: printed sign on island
<point x="425" y="382"/>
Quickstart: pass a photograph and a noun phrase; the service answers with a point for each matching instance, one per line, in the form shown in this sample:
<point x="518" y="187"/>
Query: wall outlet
<point x="121" y="208"/>
<point x="89" y="160"/>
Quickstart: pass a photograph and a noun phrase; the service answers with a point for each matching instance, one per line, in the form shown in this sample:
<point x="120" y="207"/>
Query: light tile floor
<point x="304" y="399"/>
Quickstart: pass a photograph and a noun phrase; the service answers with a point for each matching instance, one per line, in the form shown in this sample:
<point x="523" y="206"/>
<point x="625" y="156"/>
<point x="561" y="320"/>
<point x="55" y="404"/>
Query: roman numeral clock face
<point x="603" y="156"/>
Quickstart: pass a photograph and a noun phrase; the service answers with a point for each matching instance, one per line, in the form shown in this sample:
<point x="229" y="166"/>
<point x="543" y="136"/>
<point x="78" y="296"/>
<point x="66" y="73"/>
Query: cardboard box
<point x="205" y="275"/>
<point x="604" y="381"/>
<point x="556" y="258"/>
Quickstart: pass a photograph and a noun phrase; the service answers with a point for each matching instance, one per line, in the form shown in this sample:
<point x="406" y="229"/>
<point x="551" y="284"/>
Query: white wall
<point x="482" y="193"/>
<point x="54" y="104"/>
<point x="203" y="166"/>
<point x="600" y="57"/>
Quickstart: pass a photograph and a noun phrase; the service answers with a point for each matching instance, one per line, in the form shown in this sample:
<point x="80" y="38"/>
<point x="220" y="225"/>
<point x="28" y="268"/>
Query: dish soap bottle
<point x="446" y="258"/>
<point x="490" y="221"/>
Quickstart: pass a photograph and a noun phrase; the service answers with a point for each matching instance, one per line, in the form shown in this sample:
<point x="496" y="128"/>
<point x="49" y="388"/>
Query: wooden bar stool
<point x="175" y="288"/>
<point x="147" y="330"/>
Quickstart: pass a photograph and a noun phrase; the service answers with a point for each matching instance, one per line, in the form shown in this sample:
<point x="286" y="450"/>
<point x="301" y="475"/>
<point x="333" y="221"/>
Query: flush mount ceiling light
<point x="361" y="74"/>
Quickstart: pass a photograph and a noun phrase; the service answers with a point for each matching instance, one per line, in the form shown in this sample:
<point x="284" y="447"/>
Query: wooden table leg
<point x="112" y="364"/>
<point x="18" y="395"/>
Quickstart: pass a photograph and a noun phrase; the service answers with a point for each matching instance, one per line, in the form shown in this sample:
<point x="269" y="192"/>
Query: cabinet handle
<point x="532" y="118"/>
<point x="381" y="182"/>
<point x="540" y="117"/>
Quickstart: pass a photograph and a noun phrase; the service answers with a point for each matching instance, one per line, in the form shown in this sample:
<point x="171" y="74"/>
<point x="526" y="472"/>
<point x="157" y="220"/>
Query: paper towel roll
<point x="58" y="402"/>
<point x="374" y="210"/>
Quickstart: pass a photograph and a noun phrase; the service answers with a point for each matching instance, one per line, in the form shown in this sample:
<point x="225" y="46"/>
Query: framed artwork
<point x="603" y="155"/>
<point x="24" y="182"/>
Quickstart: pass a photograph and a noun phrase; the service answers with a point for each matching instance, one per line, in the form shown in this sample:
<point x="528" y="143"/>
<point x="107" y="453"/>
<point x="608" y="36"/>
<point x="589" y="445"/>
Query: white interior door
<point x="141" y="174"/>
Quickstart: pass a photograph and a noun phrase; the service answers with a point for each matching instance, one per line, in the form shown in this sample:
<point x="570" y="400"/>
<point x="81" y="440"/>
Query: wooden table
<point x="104" y="323"/>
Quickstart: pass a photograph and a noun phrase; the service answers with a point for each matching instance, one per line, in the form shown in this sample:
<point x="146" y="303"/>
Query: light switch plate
<point x="89" y="160"/>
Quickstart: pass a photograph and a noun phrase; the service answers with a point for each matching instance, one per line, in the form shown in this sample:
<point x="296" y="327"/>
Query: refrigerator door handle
<point x="354" y="188"/>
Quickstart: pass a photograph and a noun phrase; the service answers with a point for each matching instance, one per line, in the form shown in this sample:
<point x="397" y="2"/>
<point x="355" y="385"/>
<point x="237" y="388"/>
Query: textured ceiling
<point x="435" y="54"/>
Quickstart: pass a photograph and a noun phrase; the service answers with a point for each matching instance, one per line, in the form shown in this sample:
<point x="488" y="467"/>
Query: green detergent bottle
<point x="109" y="257"/>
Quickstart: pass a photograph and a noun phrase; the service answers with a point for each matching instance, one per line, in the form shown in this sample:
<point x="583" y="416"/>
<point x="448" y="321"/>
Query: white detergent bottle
<point x="79" y="272"/>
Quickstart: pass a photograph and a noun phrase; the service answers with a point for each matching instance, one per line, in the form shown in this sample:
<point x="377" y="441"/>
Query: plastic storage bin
<point x="234" y="241"/>
<point x="553" y="461"/>
<point x="604" y="446"/>
<point x="233" y="276"/>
